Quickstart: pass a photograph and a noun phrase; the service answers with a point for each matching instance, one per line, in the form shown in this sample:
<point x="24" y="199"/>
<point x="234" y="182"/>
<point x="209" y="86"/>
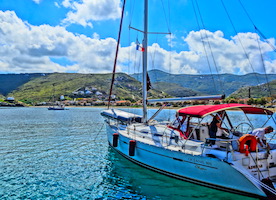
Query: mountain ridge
<point x="39" y="86"/>
<point x="207" y="83"/>
<point x="43" y="88"/>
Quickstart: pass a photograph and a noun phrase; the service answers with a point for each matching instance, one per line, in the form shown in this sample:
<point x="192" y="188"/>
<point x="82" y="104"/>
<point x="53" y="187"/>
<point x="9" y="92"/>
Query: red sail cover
<point x="203" y="110"/>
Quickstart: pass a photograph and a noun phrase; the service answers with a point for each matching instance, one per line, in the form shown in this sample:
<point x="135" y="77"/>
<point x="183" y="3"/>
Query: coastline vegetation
<point x="92" y="90"/>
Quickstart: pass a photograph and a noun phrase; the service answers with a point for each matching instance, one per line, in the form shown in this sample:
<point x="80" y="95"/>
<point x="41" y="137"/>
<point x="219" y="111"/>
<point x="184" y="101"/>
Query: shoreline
<point x="118" y="107"/>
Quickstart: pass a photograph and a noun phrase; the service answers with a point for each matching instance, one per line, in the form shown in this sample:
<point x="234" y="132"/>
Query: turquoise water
<point x="64" y="155"/>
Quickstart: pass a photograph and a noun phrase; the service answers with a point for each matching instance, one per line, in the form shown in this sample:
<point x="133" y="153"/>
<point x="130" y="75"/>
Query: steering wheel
<point x="243" y="128"/>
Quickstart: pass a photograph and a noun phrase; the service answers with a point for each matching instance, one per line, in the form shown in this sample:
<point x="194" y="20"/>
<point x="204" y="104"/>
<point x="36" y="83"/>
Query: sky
<point x="45" y="36"/>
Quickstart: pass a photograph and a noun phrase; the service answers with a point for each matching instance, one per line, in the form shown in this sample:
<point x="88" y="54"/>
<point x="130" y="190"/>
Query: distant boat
<point x="185" y="149"/>
<point x="58" y="107"/>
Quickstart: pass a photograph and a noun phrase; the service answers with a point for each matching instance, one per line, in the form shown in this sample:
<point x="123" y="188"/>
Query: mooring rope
<point x="99" y="131"/>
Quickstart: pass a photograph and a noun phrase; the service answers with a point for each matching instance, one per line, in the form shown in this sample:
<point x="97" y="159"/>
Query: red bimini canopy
<point x="203" y="110"/>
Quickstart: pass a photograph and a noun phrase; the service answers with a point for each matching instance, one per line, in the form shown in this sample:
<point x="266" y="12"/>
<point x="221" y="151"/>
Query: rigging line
<point x="210" y="47"/>
<point x="263" y="64"/>
<point x="137" y="64"/>
<point x="129" y="33"/>
<point x="169" y="13"/>
<point x="170" y="67"/>
<point x="246" y="54"/>
<point x="129" y="55"/>
<point x="153" y="58"/>
<point x="170" y="60"/>
<point x="116" y="55"/>
<point x="272" y="138"/>
<point x="266" y="40"/>
<point x="171" y="36"/>
<point x="135" y="59"/>
<point x="131" y="12"/>
<point x="268" y="118"/>
<point x="203" y="43"/>
<point x="129" y="50"/>
<point x="170" y="43"/>
<point x="161" y="33"/>
<point x="166" y="16"/>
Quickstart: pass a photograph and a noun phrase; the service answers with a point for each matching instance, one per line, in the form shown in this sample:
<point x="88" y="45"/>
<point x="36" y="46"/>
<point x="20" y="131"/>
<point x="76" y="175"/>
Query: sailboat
<point x="185" y="149"/>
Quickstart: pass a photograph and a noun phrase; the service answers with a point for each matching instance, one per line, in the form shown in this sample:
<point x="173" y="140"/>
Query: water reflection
<point x="125" y="180"/>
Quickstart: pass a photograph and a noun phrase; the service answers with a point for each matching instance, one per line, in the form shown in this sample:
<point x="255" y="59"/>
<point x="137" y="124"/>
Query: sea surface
<point x="65" y="155"/>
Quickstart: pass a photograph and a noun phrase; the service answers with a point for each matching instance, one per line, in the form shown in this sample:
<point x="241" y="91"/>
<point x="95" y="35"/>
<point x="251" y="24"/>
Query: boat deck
<point x="162" y="136"/>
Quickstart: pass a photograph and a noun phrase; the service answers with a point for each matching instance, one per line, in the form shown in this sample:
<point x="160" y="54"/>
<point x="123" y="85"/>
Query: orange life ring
<point x="250" y="140"/>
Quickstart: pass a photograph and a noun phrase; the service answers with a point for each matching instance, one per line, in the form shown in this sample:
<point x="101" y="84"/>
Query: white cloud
<point x="270" y="67"/>
<point x="86" y="11"/>
<point x="96" y="36"/>
<point x="227" y="54"/>
<point x="37" y="1"/>
<point x="231" y="55"/>
<point x="67" y="3"/>
<point x="57" y="5"/>
<point x="27" y="48"/>
<point x="170" y="39"/>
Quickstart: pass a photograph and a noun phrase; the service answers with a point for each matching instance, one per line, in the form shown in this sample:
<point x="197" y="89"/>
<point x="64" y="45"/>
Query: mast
<point x="116" y="55"/>
<point x="145" y="61"/>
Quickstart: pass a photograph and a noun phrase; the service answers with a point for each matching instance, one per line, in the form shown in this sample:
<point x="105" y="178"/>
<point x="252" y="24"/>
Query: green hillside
<point x="256" y="91"/>
<point x="209" y="84"/>
<point x="175" y="90"/>
<point x="42" y="88"/>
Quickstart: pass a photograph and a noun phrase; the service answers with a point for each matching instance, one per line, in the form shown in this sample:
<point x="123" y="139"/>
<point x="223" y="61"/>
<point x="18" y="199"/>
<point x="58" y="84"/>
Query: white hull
<point x="186" y="149"/>
<point x="195" y="168"/>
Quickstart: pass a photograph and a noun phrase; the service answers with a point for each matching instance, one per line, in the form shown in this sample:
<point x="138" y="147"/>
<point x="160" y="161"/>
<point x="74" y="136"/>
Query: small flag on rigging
<point x="139" y="47"/>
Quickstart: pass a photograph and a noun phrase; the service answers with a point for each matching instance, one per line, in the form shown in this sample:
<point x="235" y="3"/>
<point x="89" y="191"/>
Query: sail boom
<point x="164" y="33"/>
<point x="179" y="99"/>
